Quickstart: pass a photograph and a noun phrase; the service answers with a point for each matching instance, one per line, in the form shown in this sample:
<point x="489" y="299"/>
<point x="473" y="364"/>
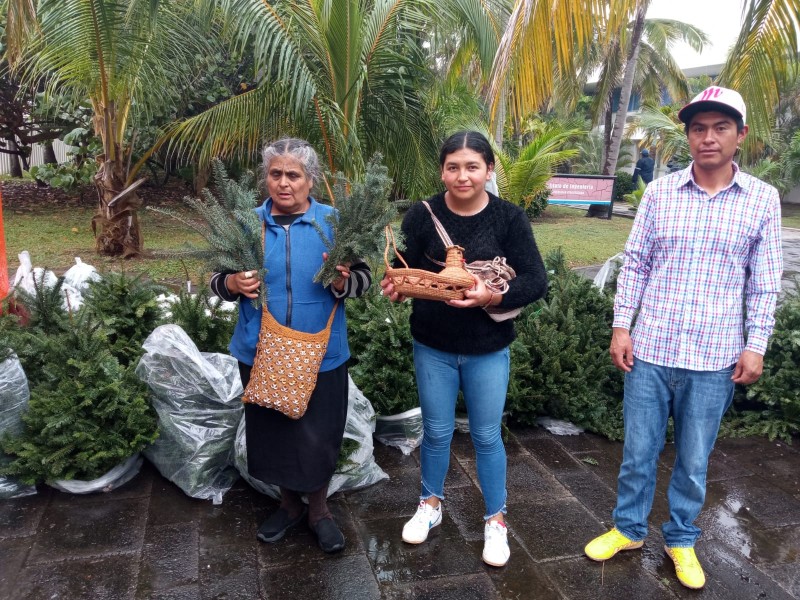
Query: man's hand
<point x="748" y="368"/>
<point x="621" y="349"/>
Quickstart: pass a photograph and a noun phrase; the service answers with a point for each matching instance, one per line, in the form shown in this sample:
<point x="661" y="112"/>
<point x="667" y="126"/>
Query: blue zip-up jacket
<point x="292" y="259"/>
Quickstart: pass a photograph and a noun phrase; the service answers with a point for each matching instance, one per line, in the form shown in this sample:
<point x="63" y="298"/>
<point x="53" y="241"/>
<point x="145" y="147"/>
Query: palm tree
<point x="763" y="62"/>
<point x="523" y="178"/>
<point x="542" y="47"/>
<point x="664" y="132"/>
<point x="653" y="70"/>
<point x="121" y="55"/>
<point x="350" y="77"/>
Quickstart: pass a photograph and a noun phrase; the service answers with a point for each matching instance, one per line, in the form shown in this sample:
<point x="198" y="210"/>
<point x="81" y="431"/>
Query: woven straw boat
<point x="449" y="284"/>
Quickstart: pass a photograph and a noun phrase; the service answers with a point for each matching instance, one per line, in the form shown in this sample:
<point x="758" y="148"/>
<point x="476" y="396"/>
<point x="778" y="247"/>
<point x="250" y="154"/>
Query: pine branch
<point x="228" y="224"/>
<point x="359" y="221"/>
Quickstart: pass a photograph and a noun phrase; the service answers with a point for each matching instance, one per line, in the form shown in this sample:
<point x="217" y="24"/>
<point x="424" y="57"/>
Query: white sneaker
<point x="426" y="518"/>
<point x="495" y="545"/>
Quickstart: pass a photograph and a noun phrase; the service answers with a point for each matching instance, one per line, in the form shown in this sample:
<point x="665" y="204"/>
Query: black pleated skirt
<point x="300" y="454"/>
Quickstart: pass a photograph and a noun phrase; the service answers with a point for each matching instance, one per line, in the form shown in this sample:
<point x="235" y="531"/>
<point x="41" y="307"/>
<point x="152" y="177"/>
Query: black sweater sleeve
<point x="218" y="287"/>
<point x="522" y="254"/>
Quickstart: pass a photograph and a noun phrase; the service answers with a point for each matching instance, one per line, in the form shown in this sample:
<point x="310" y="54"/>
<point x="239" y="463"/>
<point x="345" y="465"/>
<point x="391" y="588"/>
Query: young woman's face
<point x="465" y="174"/>
<point x="288" y="185"/>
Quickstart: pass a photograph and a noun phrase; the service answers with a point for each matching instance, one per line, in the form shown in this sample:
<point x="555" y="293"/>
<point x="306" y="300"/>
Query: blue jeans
<point x="696" y="400"/>
<point x="483" y="379"/>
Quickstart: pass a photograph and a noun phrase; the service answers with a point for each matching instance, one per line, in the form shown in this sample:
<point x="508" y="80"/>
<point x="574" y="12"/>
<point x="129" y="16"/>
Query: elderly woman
<point x="299" y="455"/>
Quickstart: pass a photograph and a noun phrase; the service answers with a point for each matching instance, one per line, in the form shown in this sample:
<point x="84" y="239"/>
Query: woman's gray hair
<point x="300" y="150"/>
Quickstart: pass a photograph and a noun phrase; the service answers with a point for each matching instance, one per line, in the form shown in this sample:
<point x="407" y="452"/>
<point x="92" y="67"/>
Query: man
<point x="703" y="238"/>
<point x="644" y="168"/>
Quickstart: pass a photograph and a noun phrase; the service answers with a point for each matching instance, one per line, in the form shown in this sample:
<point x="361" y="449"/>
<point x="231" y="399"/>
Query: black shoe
<point x="328" y="535"/>
<point x="275" y="527"/>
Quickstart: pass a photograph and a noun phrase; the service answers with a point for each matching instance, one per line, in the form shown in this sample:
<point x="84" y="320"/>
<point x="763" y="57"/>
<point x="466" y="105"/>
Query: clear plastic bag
<point x="403" y="431"/>
<point x="608" y="271"/>
<point x="359" y="468"/>
<point x="25" y="275"/>
<point x="76" y="282"/>
<point x="116" y="477"/>
<point x="14" y="396"/>
<point x="197" y="396"/>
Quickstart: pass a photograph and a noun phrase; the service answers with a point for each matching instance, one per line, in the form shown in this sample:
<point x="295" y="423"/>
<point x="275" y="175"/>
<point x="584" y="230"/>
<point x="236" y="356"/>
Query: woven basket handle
<point x="437" y="224"/>
<point x="390" y="238"/>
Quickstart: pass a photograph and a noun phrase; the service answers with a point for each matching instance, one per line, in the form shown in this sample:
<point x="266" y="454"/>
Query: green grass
<point x="584" y="241"/>
<point x="790" y="215"/>
<point x="55" y="237"/>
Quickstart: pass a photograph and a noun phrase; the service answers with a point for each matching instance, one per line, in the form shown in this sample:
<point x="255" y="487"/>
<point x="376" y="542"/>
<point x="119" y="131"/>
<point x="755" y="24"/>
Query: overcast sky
<point x="719" y="19"/>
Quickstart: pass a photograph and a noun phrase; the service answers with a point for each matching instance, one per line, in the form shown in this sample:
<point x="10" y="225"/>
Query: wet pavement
<point x="147" y="540"/>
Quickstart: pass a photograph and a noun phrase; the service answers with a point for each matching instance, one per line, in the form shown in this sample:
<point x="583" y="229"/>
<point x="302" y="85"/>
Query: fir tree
<point x="567" y="372"/>
<point x="379" y="333"/>
<point x="228" y="224"/>
<point x="359" y="222"/>
<point x="202" y="318"/>
<point x="86" y="413"/>
<point x="128" y="309"/>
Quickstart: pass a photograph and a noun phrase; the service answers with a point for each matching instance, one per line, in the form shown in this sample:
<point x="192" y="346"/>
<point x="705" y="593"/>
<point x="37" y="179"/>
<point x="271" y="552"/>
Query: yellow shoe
<point x="608" y="544"/>
<point x="687" y="567"/>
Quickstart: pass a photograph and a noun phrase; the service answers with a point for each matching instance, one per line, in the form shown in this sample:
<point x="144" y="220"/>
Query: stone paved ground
<point x="147" y="540"/>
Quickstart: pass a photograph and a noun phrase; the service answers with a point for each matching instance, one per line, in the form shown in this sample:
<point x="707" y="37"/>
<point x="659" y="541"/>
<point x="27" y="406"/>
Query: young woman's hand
<point x="478" y="296"/>
<point x="387" y="289"/>
<point x="245" y="283"/>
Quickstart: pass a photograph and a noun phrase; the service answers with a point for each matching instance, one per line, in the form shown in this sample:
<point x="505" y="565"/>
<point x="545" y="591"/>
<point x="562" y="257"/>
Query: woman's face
<point x="288" y="186"/>
<point x="465" y="174"/>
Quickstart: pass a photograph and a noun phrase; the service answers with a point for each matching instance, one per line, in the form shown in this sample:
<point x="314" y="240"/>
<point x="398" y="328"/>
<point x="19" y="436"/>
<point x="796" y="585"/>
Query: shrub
<point x="623" y="184"/>
<point x="381" y="345"/>
<point x="88" y="411"/>
<point x="200" y="315"/>
<point x="537" y="205"/>
<point x="771" y="406"/>
<point x="635" y="197"/>
<point x="66" y="176"/>
<point x="570" y="374"/>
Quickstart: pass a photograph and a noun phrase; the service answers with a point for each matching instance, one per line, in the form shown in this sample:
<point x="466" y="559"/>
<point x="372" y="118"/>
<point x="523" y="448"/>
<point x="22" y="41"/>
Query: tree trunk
<point x="49" y="153"/>
<point x="601" y="210"/>
<point x="501" y="120"/>
<point x="609" y="126"/>
<point x="16" y="171"/>
<point x="116" y="224"/>
<point x="610" y="165"/>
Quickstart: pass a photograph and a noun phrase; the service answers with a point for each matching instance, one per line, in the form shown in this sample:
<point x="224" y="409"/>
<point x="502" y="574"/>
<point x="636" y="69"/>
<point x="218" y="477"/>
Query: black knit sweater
<point x="500" y="229"/>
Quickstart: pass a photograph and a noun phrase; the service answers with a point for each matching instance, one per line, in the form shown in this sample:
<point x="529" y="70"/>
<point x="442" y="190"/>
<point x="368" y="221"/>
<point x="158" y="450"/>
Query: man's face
<point x="713" y="140"/>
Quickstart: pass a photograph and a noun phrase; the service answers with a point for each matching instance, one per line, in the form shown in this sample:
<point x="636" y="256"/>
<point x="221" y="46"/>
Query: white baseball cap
<point x="715" y="98"/>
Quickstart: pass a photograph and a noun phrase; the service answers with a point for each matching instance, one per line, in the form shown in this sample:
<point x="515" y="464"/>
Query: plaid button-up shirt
<point x="692" y="263"/>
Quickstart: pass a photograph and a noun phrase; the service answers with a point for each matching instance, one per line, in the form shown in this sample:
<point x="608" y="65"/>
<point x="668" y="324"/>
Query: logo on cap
<point x="715" y="98"/>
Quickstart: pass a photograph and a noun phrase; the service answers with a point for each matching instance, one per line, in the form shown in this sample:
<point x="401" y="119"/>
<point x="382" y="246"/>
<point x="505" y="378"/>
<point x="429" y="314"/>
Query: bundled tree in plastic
<point x="359" y="221"/>
<point x="228" y="225"/>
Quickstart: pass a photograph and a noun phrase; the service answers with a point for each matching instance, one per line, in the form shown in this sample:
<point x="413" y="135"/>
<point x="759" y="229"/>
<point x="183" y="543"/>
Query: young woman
<point x="458" y="346"/>
<point x="297" y="455"/>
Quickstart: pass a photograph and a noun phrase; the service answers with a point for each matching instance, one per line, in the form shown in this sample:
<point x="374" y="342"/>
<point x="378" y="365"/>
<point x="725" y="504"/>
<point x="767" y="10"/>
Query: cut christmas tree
<point x="358" y="224"/>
